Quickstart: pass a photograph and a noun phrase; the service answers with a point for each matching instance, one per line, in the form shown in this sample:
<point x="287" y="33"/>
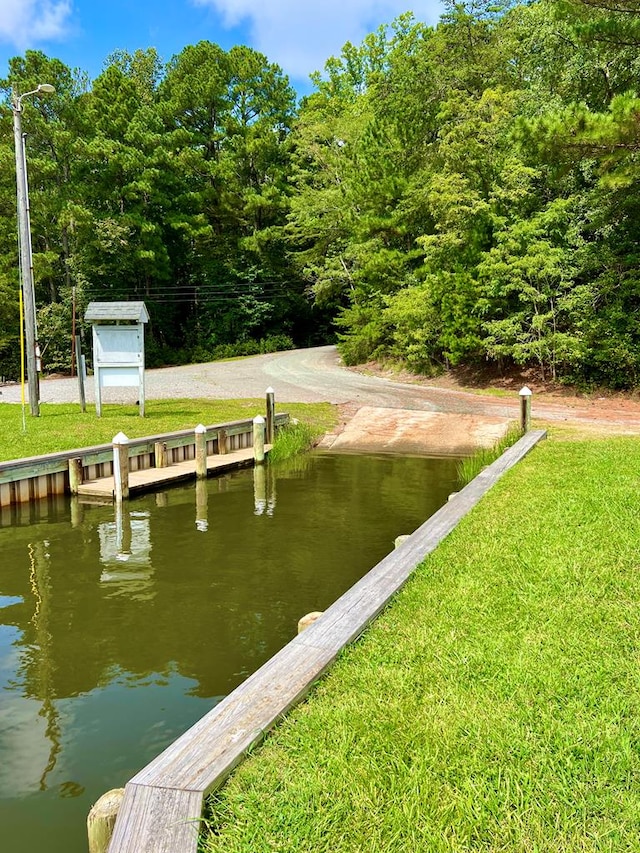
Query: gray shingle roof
<point x="104" y="312"/>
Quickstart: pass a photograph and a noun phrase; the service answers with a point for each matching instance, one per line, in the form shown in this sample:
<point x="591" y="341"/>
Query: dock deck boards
<point x="151" y="478"/>
<point x="163" y="803"/>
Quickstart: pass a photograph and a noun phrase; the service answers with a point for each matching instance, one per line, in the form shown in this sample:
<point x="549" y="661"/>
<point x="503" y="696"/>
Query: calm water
<point x="117" y="633"/>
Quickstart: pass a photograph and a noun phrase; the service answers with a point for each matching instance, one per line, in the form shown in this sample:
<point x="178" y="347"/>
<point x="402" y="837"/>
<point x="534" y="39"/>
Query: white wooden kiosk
<point x="118" y="347"/>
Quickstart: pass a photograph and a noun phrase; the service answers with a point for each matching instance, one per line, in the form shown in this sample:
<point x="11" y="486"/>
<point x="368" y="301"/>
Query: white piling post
<point x="525" y="409"/>
<point x="201" y="451"/>
<point x="271" y="414"/>
<point x="121" y="466"/>
<point x="258" y="439"/>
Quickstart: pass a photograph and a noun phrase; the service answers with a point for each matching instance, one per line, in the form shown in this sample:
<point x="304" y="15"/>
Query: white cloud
<point x="300" y="35"/>
<point x="25" y="23"/>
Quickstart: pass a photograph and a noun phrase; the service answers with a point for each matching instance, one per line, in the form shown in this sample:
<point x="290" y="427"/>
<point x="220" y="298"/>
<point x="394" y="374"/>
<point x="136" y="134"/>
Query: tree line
<point x="460" y="194"/>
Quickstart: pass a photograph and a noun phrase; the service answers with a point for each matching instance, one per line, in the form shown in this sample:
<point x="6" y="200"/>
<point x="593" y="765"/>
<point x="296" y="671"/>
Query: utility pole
<point x="24" y="239"/>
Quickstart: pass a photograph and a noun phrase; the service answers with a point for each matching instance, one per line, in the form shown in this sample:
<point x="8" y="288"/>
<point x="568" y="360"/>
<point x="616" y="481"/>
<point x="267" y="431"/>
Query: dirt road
<point x="315" y="375"/>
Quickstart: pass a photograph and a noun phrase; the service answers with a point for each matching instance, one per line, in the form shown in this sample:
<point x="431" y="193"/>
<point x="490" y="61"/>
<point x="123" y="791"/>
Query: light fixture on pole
<point x="24" y="234"/>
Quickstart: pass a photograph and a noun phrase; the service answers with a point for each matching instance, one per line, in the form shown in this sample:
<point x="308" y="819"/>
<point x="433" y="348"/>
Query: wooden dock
<point x="163" y="803"/>
<point x="103" y="488"/>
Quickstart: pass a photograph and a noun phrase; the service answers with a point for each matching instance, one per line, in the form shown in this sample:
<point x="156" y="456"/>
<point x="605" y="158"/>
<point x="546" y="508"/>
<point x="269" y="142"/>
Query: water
<point x="117" y="632"/>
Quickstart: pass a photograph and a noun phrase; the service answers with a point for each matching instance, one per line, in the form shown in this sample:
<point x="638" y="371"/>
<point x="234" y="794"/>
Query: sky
<point x="299" y="35"/>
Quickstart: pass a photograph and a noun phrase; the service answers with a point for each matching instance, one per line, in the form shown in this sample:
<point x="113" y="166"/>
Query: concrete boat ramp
<point x="374" y="429"/>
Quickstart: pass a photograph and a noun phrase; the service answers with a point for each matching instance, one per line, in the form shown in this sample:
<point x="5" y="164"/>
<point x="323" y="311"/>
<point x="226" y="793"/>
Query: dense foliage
<point x="457" y="194"/>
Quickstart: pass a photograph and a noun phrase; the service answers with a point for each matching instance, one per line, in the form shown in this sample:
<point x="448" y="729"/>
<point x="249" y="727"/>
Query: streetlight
<point x="24" y="234"/>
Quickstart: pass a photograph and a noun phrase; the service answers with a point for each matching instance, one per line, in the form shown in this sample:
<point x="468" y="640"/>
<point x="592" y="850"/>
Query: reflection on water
<point x="125" y="552"/>
<point x="183" y="593"/>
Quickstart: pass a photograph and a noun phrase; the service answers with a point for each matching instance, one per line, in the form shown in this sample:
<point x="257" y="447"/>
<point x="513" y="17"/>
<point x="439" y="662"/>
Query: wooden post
<point x="201" y="451"/>
<point x="121" y="466"/>
<point x="160" y="454"/>
<point x="102" y="819"/>
<point x="258" y="439"/>
<point x="75" y="474"/>
<point x="308" y="620"/>
<point x="525" y="409"/>
<point x="222" y="442"/>
<point x="271" y="414"/>
<point x="81" y="374"/>
<point x="397" y="542"/>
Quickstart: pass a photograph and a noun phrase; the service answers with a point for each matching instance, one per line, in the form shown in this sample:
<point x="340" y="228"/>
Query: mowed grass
<point x="65" y="427"/>
<point x="495" y="705"/>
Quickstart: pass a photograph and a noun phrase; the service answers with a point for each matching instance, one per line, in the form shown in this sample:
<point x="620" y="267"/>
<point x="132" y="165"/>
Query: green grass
<point x="470" y="466"/>
<point x="495" y="706"/>
<point x="291" y="440"/>
<point x="64" y="427"/>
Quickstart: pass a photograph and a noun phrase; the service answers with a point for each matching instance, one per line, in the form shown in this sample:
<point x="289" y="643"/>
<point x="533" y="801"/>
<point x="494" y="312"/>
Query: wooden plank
<point x="5" y="494"/>
<point x="159" y="819"/>
<point x="202" y="757"/>
<point x="149" y="478"/>
<point x="11" y="474"/>
<point x="40" y="489"/>
<point x="205" y="754"/>
<point x="23" y="491"/>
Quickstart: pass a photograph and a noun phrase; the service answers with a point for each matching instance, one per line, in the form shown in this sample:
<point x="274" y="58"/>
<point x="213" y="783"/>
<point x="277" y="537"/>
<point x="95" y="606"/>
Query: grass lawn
<point x="64" y="427"/>
<point x="495" y="706"/>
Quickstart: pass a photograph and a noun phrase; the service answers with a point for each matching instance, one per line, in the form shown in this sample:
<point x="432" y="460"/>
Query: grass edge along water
<point x="471" y="466"/>
<point x="493" y="705"/>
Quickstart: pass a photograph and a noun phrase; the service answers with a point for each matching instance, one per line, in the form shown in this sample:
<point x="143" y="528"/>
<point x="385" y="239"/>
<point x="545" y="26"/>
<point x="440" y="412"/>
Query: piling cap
<point x="120" y="438"/>
<point x="258" y="419"/>
<point x="526" y="392"/>
<point x="269" y="390"/>
<point x="200" y="429"/>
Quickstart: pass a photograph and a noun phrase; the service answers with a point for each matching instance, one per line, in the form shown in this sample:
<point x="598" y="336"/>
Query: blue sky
<point x="297" y="34"/>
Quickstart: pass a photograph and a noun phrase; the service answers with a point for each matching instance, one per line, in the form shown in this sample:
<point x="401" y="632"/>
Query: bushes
<point x="159" y="355"/>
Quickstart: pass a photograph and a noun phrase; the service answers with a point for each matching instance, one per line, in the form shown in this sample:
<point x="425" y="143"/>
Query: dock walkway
<point x="151" y="478"/>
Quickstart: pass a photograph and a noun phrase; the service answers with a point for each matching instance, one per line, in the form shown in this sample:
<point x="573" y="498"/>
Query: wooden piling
<point x="121" y="466"/>
<point x="258" y="439"/>
<point x="201" y="452"/>
<point x="525" y="409"/>
<point x="160" y="454"/>
<point x="223" y="446"/>
<point x="308" y="620"/>
<point x="271" y="414"/>
<point x="397" y="542"/>
<point x="75" y="474"/>
<point x="102" y="819"/>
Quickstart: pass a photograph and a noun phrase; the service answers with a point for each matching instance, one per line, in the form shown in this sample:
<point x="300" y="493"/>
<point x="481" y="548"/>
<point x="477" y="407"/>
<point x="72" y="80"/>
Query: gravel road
<point x="316" y="375"/>
<point x="306" y="376"/>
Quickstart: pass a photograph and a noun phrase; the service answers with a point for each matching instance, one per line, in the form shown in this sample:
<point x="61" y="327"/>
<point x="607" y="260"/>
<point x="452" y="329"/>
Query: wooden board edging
<point x="163" y="803"/>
